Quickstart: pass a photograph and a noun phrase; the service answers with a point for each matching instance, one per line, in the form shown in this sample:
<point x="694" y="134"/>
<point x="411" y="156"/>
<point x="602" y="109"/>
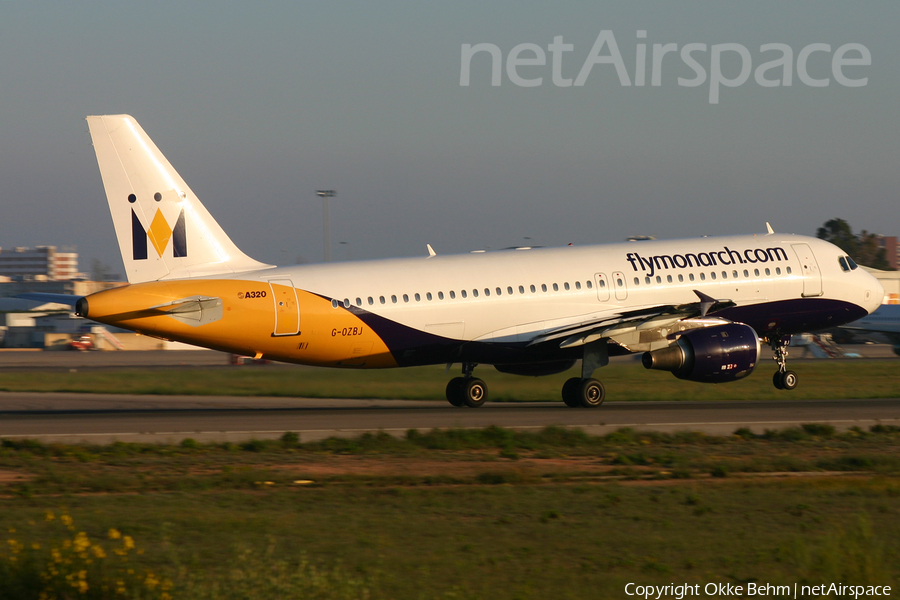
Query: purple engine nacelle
<point x="709" y="354"/>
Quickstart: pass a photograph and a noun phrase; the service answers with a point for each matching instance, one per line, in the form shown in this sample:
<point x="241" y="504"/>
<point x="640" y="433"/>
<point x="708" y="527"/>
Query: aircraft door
<point x="619" y="285"/>
<point x="812" y="277"/>
<point x="602" y="283"/>
<point x="287" y="308"/>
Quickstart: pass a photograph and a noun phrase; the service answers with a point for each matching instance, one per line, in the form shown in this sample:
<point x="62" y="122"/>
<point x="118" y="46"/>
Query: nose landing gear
<point x="782" y="379"/>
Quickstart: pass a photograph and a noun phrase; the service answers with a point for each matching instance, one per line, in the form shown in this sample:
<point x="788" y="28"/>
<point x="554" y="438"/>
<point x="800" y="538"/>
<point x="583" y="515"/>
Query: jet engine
<point x="710" y="354"/>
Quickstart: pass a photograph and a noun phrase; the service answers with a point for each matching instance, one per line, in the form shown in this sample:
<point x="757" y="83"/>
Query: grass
<point x="456" y="513"/>
<point x="624" y="382"/>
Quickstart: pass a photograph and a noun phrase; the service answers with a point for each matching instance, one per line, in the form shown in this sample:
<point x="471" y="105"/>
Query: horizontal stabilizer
<point x="67" y="299"/>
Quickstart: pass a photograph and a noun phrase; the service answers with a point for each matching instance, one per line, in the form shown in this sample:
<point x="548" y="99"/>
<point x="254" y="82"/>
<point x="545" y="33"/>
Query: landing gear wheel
<point x="778" y="380"/>
<point x="789" y="380"/>
<point x="474" y="392"/>
<point x="454" y="391"/>
<point x="570" y="392"/>
<point x="591" y="393"/>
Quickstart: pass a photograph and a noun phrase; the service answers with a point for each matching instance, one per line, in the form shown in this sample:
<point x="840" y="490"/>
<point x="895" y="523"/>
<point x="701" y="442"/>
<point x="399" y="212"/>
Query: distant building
<point x="43" y="263"/>
<point x="891" y="250"/>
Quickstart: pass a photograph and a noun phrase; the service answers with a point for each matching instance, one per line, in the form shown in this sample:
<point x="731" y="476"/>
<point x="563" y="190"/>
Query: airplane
<point x="885" y="322"/>
<point x="696" y="307"/>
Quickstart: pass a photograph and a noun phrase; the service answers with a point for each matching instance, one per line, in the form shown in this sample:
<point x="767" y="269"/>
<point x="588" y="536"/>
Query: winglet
<point x="431" y="251"/>
<point x="769" y="229"/>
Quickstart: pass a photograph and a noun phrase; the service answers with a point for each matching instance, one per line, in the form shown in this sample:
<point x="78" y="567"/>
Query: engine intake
<point x="709" y="355"/>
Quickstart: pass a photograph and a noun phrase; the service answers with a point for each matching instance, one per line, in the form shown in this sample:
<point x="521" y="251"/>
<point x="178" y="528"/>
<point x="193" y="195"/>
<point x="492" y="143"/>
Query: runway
<point x="105" y="418"/>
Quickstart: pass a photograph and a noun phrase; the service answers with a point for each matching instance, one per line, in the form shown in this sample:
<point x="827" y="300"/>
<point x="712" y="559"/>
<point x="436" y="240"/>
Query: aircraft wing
<point x="630" y="321"/>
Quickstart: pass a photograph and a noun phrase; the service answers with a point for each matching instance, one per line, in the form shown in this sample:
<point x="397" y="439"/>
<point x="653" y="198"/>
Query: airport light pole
<point x="325" y="195"/>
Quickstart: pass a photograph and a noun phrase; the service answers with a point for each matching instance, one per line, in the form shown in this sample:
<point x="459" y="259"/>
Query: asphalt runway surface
<point x="105" y="418"/>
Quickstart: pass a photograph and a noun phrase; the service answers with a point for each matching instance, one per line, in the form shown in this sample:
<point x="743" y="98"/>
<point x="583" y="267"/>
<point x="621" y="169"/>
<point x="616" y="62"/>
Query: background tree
<point x="862" y="248"/>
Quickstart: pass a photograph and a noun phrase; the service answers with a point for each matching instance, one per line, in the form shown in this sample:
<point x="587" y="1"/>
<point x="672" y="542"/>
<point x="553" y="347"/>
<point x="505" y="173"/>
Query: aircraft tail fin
<point x="164" y="231"/>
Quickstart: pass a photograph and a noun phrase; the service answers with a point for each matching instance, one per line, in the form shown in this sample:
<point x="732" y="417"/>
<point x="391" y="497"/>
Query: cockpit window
<point x="844" y="266"/>
<point x="852" y="264"/>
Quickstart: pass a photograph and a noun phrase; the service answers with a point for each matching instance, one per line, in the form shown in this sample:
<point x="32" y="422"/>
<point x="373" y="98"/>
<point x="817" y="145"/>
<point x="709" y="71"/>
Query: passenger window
<point x="768" y="272"/>
<point x="335" y="303"/>
<point x="428" y="295"/>
<point x="533" y="288"/>
<point x="440" y="295"/>
<point x="680" y="278"/>
<point x="464" y="294"/>
<point x="589" y="284"/>
<point x="658" y="279"/>
<point x="381" y="299"/>
<point x="619" y="282"/>
<point x="577" y="285"/>
<point x="788" y="270"/>
<point x="555" y="287"/>
<point x="566" y="285"/>
<point x="711" y="274"/>
<point x="509" y="290"/>
<point x="637" y="281"/>
<point x="543" y="287"/>
<point x="359" y="301"/>
<point x="602" y="283"/>
<point x="756" y="272"/>
<point x="371" y="300"/>
<point x="394" y="299"/>
<point x="406" y="297"/>
<point x="746" y="273"/>
<point x="346" y="302"/>
<point x="521" y="289"/>
<point x="669" y="278"/>
<point x="778" y="270"/>
<point x="724" y="274"/>
<point x="452" y="295"/>
<point x="734" y="274"/>
<point x="475" y="293"/>
<point x="702" y="276"/>
<point x="691" y="276"/>
<point x="487" y="291"/>
<point x="647" y="280"/>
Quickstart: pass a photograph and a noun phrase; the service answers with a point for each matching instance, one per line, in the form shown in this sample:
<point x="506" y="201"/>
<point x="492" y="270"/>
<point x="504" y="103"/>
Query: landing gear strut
<point x="782" y="379"/>
<point x="467" y="390"/>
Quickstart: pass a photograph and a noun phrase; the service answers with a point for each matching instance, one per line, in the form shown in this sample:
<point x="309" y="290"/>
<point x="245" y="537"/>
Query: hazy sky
<point x="259" y="104"/>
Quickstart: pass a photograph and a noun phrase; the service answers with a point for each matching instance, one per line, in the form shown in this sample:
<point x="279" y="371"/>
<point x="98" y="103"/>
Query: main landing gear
<point x="467" y="390"/>
<point x="587" y="393"/>
<point x="782" y="379"/>
<point x="584" y="391"/>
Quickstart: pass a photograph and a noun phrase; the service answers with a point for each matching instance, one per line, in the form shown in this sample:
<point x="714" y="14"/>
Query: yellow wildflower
<point x="49" y="516"/>
<point x="98" y="551"/>
<point x="114" y="534"/>
<point x="82" y="543"/>
<point x="66" y="520"/>
<point x="129" y="543"/>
